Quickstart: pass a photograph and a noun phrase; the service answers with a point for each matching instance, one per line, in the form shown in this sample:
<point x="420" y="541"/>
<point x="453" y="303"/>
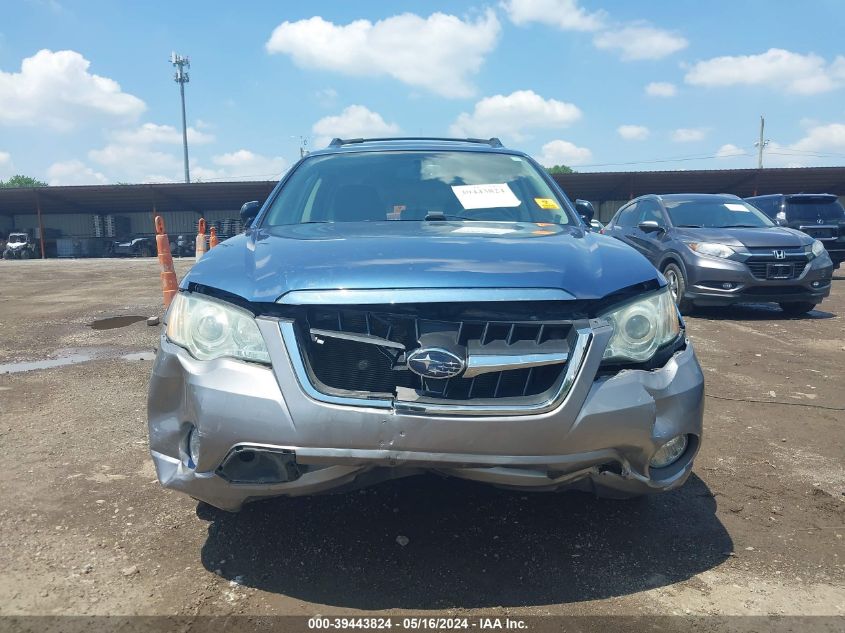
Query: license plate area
<point x="779" y="271"/>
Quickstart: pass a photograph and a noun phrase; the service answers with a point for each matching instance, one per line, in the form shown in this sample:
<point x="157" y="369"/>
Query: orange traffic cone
<point x="212" y="240"/>
<point x="169" y="284"/>
<point x="200" y="239"/>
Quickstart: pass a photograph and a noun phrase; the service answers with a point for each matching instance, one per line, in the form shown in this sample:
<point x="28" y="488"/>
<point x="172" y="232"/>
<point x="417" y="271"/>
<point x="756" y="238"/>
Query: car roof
<point x="409" y="143"/>
<point x="697" y="196"/>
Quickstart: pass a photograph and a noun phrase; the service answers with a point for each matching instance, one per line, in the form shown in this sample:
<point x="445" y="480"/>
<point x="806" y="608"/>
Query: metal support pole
<point x="184" y="133"/>
<point x="40" y="224"/>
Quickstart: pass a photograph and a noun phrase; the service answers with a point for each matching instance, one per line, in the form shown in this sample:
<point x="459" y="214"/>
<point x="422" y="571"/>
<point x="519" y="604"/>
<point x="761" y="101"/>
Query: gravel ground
<point x="86" y="529"/>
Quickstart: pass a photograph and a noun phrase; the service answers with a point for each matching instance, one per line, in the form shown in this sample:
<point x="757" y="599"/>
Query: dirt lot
<point x="86" y="529"/>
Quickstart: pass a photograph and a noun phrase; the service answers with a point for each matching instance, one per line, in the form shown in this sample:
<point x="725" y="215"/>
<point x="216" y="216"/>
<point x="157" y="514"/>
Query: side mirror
<point x="650" y="226"/>
<point x="248" y="212"/>
<point x="585" y="210"/>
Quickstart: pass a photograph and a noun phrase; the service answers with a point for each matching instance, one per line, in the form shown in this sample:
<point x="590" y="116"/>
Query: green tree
<point x="22" y="181"/>
<point x="560" y="169"/>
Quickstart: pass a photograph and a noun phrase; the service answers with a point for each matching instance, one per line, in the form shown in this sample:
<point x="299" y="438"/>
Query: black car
<point x="717" y="250"/>
<point x="135" y="246"/>
<point x="819" y="215"/>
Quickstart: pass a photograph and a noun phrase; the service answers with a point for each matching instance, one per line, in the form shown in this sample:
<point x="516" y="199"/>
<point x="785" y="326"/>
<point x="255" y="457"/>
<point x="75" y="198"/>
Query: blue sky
<point x="87" y="95"/>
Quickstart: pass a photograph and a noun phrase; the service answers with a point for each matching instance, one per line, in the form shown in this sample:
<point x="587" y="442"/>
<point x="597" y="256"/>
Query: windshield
<point x="818" y="209"/>
<point x="415" y="186"/>
<point x="718" y="213"/>
<point x="17" y="238"/>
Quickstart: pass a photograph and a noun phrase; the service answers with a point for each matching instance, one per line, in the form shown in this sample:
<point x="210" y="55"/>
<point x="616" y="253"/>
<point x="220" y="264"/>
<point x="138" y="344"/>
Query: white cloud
<point x="661" y="89"/>
<point x="6" y="165"/>
<point x="55" y="89"/>
<point x="689" y="134"/>
<point x="355" y="121"/>
<point x="137" y="163"/>
<point x="729" y="150"/>
<point x="438" y="53"/>
<point x="563" y="153"/>
<point x="150" y="133"/>
<point x="777" y="68"/>
<point x="633" y="132"/>
<point x="640" y="41"/>
<point x="564" y="14"/>
<point x="509" y="115"/>
<point x="326" y="96"/>
<point x="822" y="138"/>
<point x="242" y="164"/>
<point x="74" y="172"/>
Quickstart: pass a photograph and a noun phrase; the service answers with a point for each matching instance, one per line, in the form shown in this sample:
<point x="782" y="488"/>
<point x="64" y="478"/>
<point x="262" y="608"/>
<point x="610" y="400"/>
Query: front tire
<point x="677" y="286"/>
<point x="797" y="308"/>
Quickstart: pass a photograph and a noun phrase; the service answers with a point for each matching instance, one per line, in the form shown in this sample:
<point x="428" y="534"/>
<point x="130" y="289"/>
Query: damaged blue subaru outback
<point x="400" y="306"/>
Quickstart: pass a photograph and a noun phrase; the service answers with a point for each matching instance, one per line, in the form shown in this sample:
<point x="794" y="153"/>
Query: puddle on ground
<point x="73" y="357"/>
<point x="112" y="323"/>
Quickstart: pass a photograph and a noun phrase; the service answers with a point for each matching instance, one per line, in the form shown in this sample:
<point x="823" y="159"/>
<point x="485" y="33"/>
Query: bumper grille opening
<point x="777" y="269"/>
<point x="247" y="465"/>
<point x="376" y="367"/>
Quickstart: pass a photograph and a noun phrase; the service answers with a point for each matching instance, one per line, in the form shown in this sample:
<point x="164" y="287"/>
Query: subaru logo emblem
<point x="432" y="362"/>
<point x="779" y="254"/>
<point x="820" y="221"/>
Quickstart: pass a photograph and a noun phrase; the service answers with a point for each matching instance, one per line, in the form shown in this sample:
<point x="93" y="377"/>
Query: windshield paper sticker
<point x="490" y="196"/>
<point x="546" y="203"/>
<point x="736" y="207"/>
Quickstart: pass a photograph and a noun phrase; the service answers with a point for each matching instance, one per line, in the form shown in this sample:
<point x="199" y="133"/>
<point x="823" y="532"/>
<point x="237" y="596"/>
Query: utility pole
<point x="303" y="145"/>
<point x="761" y="144"/>
<point x="181" y="77"/>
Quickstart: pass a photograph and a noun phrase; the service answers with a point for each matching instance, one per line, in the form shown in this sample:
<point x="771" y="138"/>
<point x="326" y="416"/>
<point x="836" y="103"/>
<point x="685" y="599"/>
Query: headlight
<point x="712" y="249"/>
<point x="817" y="248"/>
<point x="211" y="329"/>
<point x="642" y="327"/>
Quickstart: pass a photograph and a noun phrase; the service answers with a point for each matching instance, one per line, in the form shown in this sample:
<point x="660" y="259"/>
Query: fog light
<point x="816" y="284"/>
<point x="193" y="447"/>
<point x="669" y="453"/>
<point x="727" y="285"/>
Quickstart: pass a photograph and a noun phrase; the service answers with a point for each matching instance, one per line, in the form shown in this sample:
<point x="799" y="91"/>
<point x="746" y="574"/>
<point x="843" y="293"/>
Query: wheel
<point x="797" y="307"/>
<point x="677" y="286"/>
<point x="7" y="255"/>
<point x="26" y="254"/>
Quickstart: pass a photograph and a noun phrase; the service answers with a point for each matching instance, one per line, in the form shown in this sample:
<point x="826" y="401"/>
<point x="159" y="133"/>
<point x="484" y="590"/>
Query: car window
<point x="766" y="205"/>
<point x="814" y="209"/>
<point x="715" y="213"/>
<point x="628" y="216"/>
<point x="649" y="211"/>
<point x="409" y="185"/>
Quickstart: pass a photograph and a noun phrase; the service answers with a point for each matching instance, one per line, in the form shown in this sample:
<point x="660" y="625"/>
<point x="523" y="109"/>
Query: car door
<point x="649" y="243"/>
<point x="624" y="223"/>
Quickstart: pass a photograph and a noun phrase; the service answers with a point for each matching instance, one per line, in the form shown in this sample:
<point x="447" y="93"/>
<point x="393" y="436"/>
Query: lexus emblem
<point x="433" y="362"/>
<point x="779" y="254"/>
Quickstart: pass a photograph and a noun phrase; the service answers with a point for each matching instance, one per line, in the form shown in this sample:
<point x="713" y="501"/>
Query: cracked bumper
<point x="599" y="439"/>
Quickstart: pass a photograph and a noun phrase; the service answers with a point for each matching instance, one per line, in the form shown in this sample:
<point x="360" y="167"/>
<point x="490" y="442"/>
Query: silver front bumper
<point x="599" y="436"/>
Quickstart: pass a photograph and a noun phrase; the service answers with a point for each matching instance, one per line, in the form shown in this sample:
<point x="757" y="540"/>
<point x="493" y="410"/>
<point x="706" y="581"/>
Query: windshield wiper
<point x="688" y="226"/>
<point x="741" y="226"/>
<point x="439" y="216"/>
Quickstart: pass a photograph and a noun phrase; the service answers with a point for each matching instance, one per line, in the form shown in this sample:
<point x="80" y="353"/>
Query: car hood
<point x="765" y="237"/>
<point x="265" y="264"/>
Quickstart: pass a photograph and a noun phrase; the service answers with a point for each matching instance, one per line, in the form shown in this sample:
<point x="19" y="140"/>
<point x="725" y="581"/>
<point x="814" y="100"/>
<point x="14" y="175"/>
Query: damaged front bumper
<point x="260" y="434"/>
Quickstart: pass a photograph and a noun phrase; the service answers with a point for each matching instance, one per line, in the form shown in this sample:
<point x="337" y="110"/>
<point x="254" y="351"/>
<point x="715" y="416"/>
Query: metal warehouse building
<point x="67" y="216"/>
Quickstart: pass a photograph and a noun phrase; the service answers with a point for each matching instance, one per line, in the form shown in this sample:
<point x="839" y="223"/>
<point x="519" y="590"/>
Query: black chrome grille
<point x="777" y="268"/>
<point x="369" y="366"/>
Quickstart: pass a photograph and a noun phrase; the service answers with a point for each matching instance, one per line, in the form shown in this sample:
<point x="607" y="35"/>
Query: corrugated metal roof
<point x="596" y="186"/>
<point x="742" y="182"/>
<point x="200" y="197"/>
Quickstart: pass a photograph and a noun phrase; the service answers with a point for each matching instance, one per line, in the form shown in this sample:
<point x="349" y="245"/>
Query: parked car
<point x="717" y="250"/>
<point x="183" y="246"/>
<point x="135" y="246"/>
<point x="819" y="215"/>
<point x="409" y="305"/>
<point x="20" y="245"/>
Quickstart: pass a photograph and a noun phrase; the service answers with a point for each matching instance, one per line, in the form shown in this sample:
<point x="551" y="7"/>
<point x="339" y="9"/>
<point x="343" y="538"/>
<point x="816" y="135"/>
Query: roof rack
<point x="492" y="142"/>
